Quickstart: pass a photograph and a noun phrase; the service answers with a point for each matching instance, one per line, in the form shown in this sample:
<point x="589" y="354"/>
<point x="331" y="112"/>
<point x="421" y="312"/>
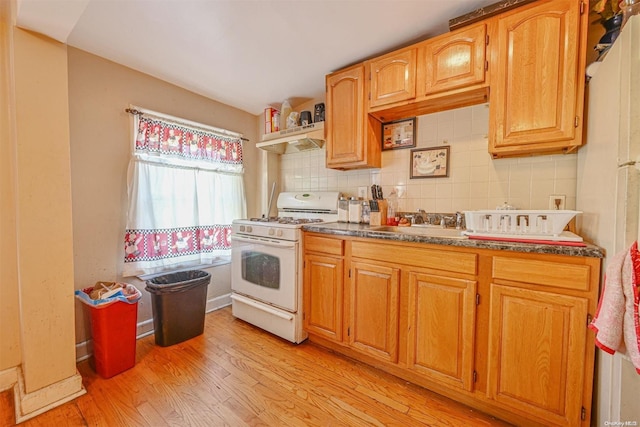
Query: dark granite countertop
<point x="364" y="230"/>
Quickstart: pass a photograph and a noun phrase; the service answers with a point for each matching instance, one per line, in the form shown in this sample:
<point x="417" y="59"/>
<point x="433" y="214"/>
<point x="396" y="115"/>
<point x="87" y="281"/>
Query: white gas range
<point x="266" y="262"/>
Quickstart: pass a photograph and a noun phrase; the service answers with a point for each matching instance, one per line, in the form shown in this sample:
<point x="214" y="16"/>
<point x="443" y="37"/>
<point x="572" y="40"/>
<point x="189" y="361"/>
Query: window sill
<point x="216" y="263"/>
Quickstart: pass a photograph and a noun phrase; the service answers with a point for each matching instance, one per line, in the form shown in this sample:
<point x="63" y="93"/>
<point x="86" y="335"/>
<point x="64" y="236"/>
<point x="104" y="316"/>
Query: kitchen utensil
<point x="273" y="190"/>
<point x="376" y="192"/>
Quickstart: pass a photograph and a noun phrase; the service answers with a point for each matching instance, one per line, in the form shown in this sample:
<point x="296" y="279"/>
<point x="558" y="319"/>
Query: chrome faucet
<point x="458" y="220"/>
<point x="417" y="218"/>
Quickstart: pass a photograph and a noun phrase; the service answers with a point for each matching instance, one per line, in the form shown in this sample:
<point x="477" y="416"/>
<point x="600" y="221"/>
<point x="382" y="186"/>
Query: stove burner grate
<point x="287" y="220"/>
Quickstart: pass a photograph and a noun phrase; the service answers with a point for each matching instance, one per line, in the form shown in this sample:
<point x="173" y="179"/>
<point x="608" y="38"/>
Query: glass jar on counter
<point x="355" y="210"/>
<point x="343" y="209"/>
<point x="366" y="212"/>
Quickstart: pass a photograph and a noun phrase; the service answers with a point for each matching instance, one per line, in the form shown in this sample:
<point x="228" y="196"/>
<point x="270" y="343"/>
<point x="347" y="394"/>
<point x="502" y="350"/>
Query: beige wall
<point x="37" y="355"/>
<point x="45" y="260"/>
<point x="475" y="181"/>
<point x="99" y="92"/>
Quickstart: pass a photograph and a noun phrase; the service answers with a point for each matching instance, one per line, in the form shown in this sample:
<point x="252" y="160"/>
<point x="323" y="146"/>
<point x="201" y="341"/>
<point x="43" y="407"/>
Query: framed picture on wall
<point x="399" y="134"/>
<point x="430" y="162"/>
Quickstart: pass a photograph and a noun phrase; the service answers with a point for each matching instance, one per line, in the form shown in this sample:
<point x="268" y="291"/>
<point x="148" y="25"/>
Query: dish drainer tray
<point x="539" y="224"/>
<point x="565" y="236"/>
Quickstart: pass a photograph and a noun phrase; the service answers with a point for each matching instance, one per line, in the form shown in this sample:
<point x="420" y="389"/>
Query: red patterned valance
<point x="161" y="137"/>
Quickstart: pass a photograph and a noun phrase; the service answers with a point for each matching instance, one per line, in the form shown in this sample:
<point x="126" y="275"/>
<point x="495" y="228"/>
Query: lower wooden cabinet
<point x="374" y="310"/>
<point x="442" y="314"/>
<point x="322" y="295"/>
<point x="537" y="353"/>
<point x="505" y="332"/>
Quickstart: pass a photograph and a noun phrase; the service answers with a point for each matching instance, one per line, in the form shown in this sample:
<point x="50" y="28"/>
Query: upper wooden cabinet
<point x="353" y="137"/>
<point x="531" y="60"/>
<point x="393" y="77"/>
<point x="452" y="61"/>
<point x="537" y="79"/>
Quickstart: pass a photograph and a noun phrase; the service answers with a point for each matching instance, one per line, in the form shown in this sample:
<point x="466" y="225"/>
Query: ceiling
<point x="245" y="53"/>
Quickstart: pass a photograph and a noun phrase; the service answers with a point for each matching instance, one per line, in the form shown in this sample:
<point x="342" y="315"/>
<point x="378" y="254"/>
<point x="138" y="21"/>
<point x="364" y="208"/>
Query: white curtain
<point x="185" y="187"/>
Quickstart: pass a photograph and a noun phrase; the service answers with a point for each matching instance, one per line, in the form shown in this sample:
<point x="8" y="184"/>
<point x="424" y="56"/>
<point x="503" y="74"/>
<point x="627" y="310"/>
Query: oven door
<point x="265" y="270"/>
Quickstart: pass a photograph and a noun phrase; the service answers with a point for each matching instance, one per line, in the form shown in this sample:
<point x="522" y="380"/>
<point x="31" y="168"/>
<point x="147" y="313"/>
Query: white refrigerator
<point x="608" y="194"/>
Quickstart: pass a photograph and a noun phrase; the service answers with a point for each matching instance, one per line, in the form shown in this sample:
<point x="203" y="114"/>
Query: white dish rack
<point x="521" y="224"/>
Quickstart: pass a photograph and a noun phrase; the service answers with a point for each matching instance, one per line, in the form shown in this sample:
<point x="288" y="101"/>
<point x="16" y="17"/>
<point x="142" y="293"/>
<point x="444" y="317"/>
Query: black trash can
<point x="179" y="303"/>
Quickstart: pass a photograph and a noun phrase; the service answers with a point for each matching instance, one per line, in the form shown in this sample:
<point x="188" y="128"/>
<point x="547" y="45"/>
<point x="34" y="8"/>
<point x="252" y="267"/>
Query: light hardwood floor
<point x="235" y="374"/>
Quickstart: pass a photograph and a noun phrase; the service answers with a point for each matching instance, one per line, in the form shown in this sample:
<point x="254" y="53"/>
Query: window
<point x="185" y="185"/>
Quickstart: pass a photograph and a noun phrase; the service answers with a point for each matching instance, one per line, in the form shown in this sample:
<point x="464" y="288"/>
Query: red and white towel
<point x="617" y="323"/>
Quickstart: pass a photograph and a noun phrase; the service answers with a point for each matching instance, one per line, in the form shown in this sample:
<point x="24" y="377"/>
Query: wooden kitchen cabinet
<point x="353" y="137"/>
<point x="442" y="73"/>
<point x="374" y="309"/>
<point x="452" y="61"/>
<point x="392" y="77"/>
<point x="441" y="318"/>
<point x="537" y="79"/>
<point x="323" y="287"/>
<point x="439" y="308"/>
<point x="538" y="338"/>
<point x="536" y="353"/>
<point x="503" y="331"/>
<point x="531" y="60"/>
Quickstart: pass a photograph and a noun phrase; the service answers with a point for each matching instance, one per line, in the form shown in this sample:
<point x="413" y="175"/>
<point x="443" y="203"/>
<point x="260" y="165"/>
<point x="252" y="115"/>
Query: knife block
<point x="377" y="219"/>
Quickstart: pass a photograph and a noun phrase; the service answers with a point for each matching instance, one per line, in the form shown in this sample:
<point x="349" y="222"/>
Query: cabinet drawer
<point x="559" y="275"/>
<point x="324" y="245"/>
<point x="418" y="257"/>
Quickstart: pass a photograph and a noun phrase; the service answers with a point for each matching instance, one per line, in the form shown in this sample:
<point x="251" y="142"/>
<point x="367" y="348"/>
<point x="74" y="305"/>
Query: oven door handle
<point x="266" y="242"/>
<point x="247" y="301"/>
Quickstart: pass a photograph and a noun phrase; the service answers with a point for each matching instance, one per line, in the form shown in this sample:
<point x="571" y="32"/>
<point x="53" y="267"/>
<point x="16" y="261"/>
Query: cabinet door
<point x="537" y="82"/>
<point x="537" y="353"/>
<point x="352" y="137"/>
<point x="442" y="314"/>
<point x="374" y="310"/>
<point x="393" y="78"/>
<point x="323" y="296"/>
<point x="452" y="61"/>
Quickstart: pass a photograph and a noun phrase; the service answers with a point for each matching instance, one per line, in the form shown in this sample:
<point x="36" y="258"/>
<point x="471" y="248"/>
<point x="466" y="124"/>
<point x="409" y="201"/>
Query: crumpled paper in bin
<point x="104" y="294"/>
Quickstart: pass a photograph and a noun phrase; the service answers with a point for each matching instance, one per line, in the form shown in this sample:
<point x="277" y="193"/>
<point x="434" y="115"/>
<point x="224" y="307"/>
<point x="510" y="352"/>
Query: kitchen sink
<point x="429" y="231"/>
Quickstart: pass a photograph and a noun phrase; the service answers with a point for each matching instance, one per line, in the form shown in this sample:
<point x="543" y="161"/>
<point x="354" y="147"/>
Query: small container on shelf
<point x="355" y="210"/>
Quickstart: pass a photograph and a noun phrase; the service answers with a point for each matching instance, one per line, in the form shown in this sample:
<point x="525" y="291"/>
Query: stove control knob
<point x="249" y="229"/>
<point x="242" y="228"/>
<point x="279" y="233"/>
<point x="271" y="231"/>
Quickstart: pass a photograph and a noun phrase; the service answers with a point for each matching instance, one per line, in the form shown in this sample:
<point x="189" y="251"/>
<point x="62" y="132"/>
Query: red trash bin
<point x="113" y="329"/>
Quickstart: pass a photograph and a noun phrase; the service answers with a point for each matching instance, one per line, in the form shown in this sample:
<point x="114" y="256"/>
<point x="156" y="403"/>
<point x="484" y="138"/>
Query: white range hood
<point x="301" y="138"/>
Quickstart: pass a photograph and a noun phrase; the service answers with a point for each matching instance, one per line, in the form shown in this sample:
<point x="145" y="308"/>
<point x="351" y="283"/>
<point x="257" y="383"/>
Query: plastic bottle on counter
<point x="343" y="209"/>
<point x="355" y="210"/>
<point x="285" y="110"/>
<point x="392" y="210"/>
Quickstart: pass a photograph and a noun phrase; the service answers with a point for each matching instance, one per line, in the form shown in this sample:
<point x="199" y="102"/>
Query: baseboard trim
<point x="84" y="349"/>
<point x="8" y="378"/>
<point x="218" y="302"/>
<point x="29" y="405"/>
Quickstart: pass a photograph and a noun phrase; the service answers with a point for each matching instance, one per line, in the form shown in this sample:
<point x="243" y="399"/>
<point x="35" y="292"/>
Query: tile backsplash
<point x="475" y="181"/>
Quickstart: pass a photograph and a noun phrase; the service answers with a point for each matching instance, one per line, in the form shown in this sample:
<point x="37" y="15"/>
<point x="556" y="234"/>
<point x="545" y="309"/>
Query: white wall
<point x="476" y="181"/>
